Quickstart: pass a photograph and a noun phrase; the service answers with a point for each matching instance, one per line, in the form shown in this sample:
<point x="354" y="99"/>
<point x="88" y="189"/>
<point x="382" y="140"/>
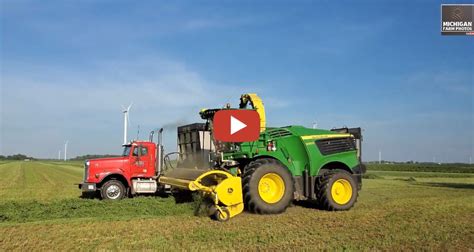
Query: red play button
<point x="235" y="125"/>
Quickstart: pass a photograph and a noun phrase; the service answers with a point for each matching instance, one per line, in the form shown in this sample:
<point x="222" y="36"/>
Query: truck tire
<point x="336" y="190"/>
<point x="267" y="186"/>
<point x="113" y="190"/>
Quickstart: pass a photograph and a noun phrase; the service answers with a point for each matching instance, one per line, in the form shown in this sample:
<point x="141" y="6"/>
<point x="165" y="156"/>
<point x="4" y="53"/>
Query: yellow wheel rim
<point x="271" y="188"/>
<point x="341" y="191"/>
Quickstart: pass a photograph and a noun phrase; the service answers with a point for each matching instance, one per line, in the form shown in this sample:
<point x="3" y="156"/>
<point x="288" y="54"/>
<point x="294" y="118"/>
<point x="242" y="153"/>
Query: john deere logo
<point x="456" y="19"/>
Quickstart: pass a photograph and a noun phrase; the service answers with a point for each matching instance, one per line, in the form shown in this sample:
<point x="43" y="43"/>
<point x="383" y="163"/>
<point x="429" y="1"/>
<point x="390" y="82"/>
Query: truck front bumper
<point x="88" y="187"/>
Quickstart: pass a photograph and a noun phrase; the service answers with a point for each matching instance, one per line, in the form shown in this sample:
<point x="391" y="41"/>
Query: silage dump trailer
<point x="264" y="176"/>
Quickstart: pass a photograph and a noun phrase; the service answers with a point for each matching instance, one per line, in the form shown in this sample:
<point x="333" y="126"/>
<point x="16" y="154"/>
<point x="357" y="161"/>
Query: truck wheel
<point x="336" y="191"/>
<point x="113" y="190"/>
<point x="267" y="186"/>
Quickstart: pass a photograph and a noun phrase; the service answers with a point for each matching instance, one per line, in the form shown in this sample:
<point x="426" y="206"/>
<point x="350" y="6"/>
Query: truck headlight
<point x="88" y="163"/>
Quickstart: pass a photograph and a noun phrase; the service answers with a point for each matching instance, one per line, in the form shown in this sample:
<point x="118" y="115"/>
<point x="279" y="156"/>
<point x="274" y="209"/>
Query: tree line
<point x="15" y="157"/>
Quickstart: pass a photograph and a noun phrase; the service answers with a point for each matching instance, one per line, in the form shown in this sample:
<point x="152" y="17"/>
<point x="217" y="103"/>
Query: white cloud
<point x="53" y="103"/>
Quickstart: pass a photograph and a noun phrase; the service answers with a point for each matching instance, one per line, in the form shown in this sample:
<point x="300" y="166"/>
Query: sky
<point x="68" y="66"/>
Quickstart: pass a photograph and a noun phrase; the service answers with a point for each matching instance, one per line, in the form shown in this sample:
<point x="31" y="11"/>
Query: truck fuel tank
<point x="144" y="185"/>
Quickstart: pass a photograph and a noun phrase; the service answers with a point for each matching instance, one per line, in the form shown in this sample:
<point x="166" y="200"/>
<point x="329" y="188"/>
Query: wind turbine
<point x="125" y="122"/>
<point x="65" y="150"/>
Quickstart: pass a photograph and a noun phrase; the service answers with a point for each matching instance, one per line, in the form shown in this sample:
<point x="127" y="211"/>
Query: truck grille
<point x="332" y="146"/>
<point x="86" y="171"/>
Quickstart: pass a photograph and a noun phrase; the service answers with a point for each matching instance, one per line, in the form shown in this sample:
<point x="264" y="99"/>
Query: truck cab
<point x="114" y="178"/>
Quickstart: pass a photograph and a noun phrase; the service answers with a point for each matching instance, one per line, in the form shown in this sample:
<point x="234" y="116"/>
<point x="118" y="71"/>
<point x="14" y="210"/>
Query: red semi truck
<point x="141" y="163"/>
<point x="113" y="177"/>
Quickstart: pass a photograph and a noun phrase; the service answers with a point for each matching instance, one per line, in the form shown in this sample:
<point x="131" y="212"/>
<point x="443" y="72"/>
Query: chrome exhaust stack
<point x="159" y="150"/>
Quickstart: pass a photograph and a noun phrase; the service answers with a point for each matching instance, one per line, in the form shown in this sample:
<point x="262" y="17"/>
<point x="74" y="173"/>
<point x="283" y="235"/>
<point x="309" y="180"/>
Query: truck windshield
<point x="126" y="150"/>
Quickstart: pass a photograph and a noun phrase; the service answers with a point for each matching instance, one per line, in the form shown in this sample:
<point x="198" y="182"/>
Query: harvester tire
<point x="336" y="190"/>
<point x="267" y="186"/>
<point x="113" y="190"/>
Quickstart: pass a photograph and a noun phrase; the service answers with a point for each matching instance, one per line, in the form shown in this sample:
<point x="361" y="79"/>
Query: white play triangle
<point x="236" y="125"/>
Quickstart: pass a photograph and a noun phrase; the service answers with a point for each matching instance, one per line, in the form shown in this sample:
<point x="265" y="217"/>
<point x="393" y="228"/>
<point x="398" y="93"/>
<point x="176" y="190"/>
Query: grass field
<point x="40" y="209"/>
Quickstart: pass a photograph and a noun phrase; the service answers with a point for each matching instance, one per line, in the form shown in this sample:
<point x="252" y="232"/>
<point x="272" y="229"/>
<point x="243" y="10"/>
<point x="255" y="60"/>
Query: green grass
<point x="143" y="207"/>
<point x="40" y="209"/>
<point x="421" y="174"/>
<point x="446" y="168"/>
<point x="38" y="181"/>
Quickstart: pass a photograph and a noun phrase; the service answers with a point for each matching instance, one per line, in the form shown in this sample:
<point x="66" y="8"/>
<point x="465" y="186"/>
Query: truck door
<point x="141" y="161"/>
